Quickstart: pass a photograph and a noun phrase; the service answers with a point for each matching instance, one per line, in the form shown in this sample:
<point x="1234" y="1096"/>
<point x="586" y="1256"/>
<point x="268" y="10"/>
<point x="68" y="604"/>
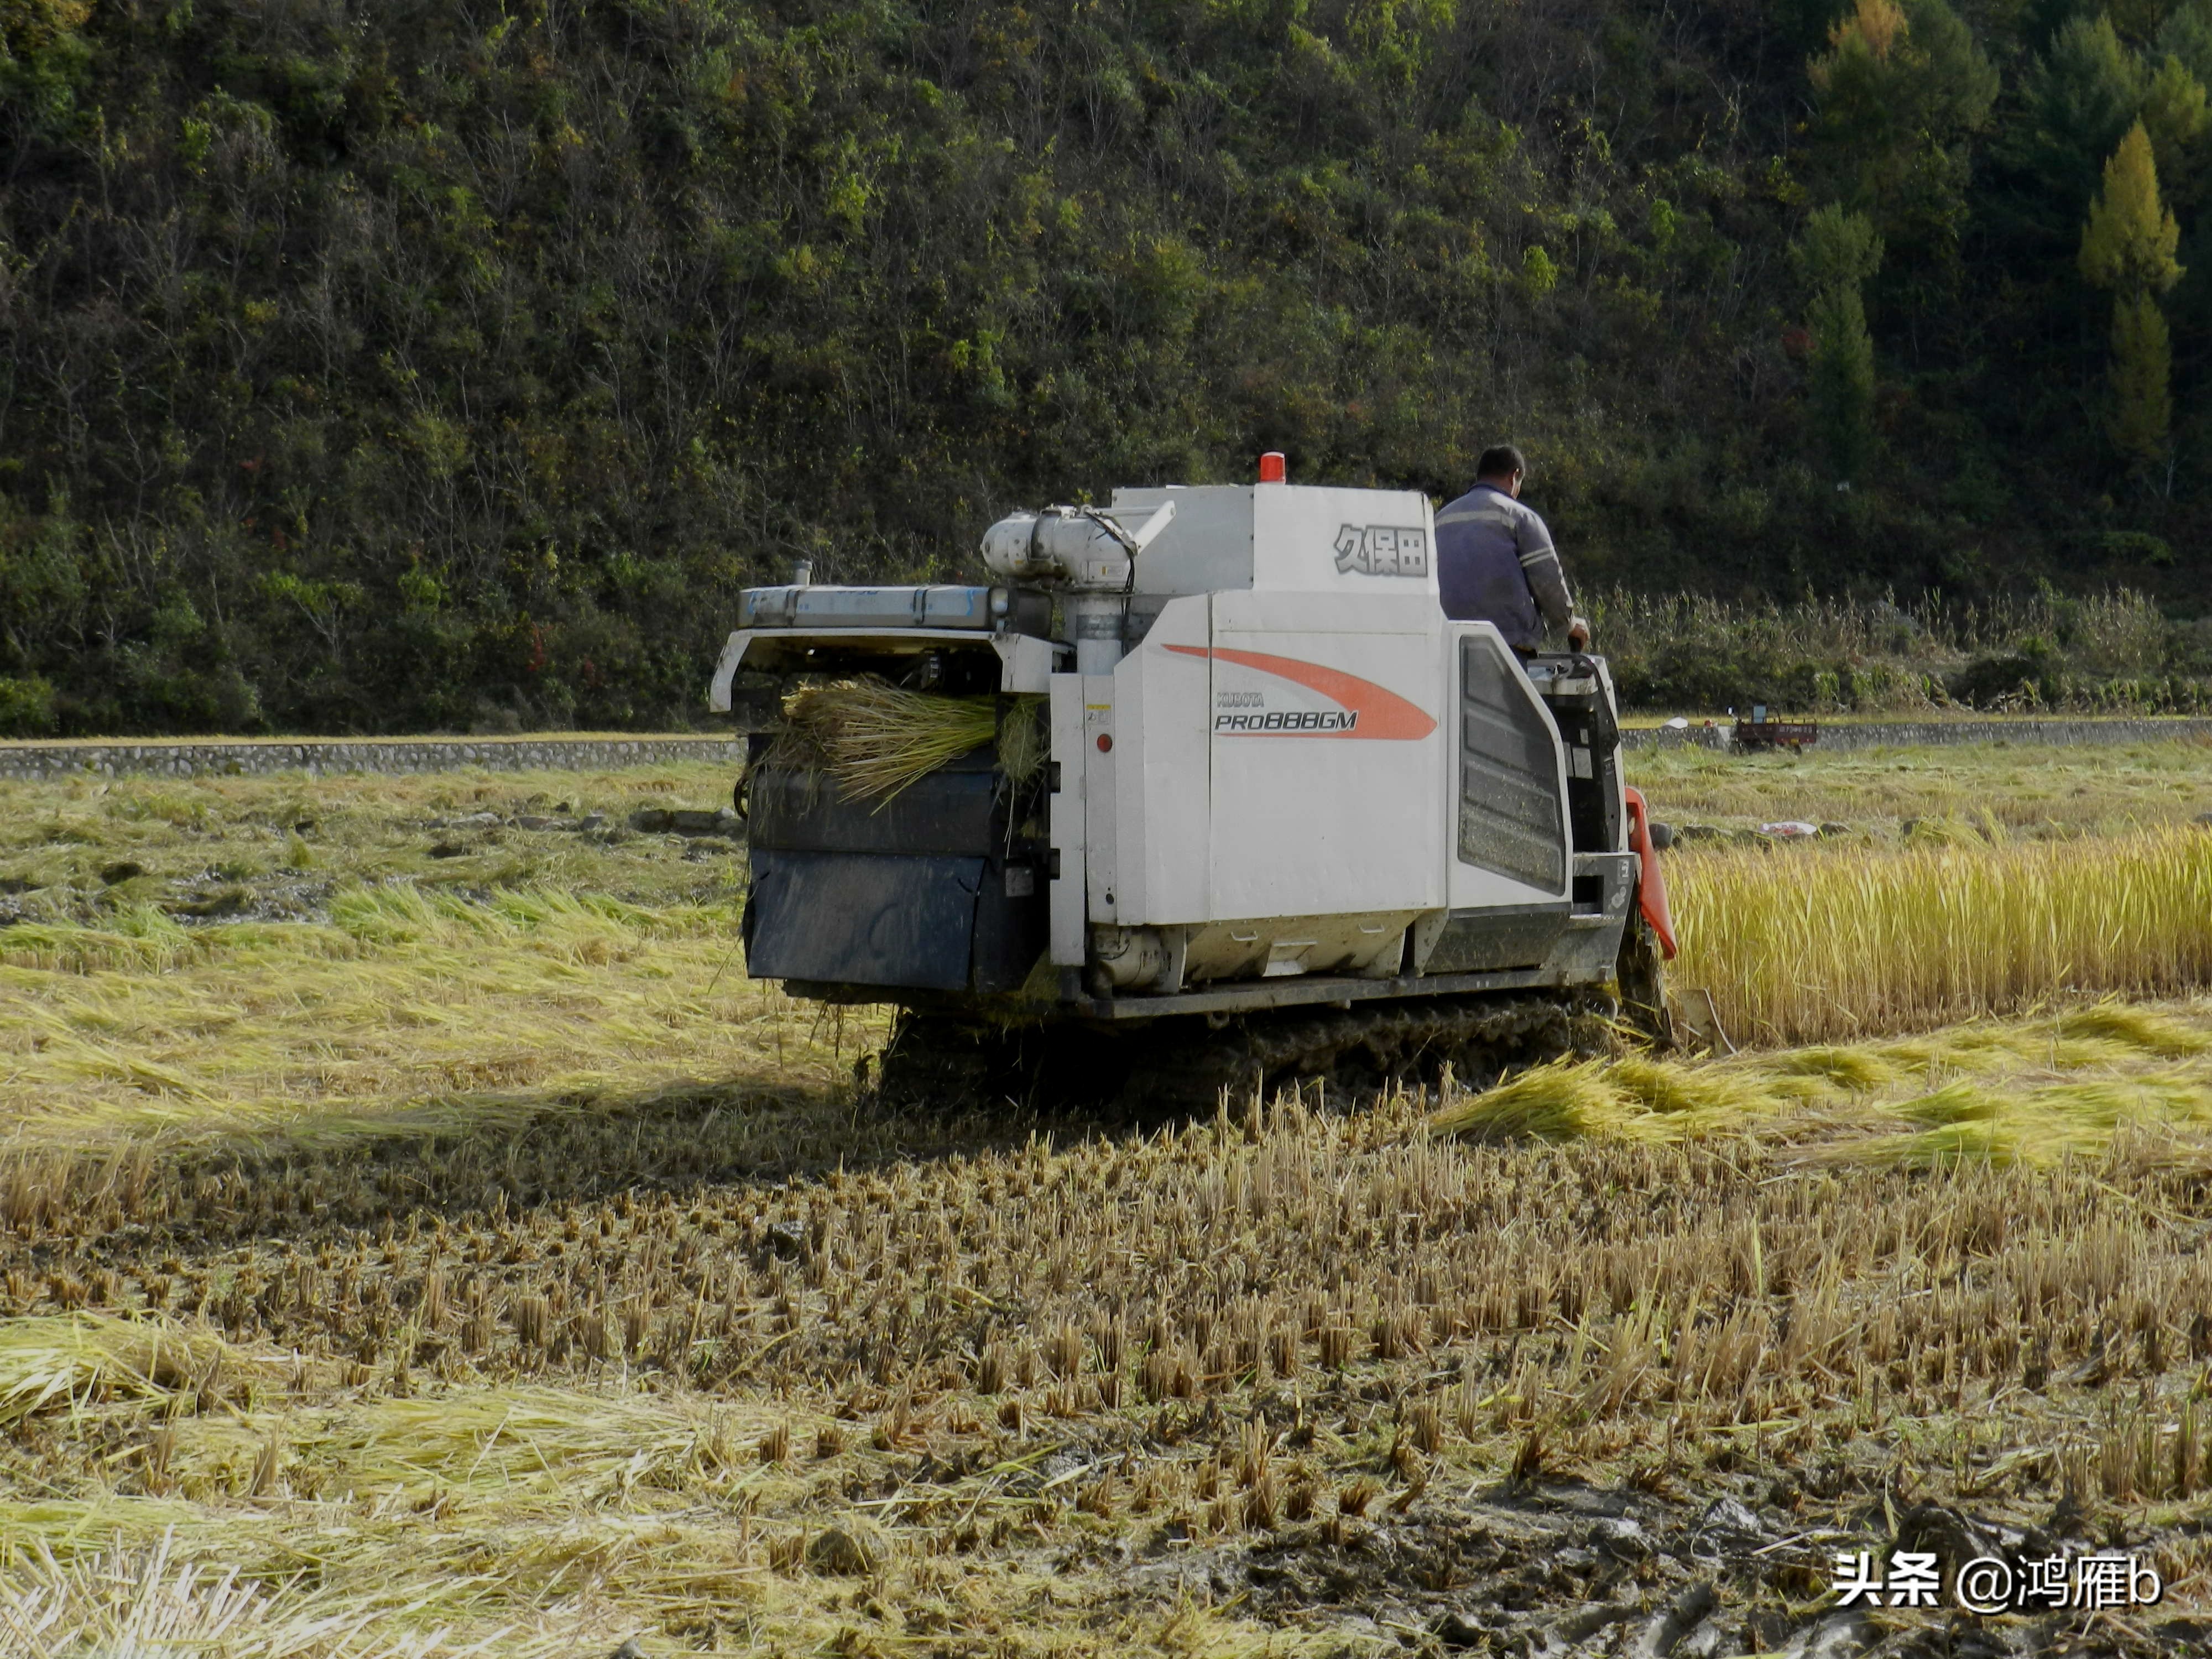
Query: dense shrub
<point x="27" y="708"/>
<point x="2112" y="653"/>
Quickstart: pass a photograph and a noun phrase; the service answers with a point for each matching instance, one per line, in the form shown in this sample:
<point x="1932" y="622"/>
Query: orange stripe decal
<point x="1382" y="714"/>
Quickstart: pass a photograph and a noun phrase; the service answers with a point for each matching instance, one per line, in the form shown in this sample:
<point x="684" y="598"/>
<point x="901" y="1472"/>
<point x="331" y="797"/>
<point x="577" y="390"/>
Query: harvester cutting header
<point x="1205" y="752"/>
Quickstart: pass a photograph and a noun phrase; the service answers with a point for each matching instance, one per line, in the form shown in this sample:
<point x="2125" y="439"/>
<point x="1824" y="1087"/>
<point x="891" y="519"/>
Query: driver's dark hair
<point x="1500" y="461"/>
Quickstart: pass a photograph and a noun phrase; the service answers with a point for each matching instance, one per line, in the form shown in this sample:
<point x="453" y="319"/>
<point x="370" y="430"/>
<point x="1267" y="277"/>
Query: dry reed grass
<point x="2117" y="652"/>
<point x="1888" y="938"/>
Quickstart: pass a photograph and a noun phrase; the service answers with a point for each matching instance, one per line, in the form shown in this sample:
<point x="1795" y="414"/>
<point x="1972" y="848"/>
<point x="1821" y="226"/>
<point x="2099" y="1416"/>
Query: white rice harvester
<point x="1293" y="819"/>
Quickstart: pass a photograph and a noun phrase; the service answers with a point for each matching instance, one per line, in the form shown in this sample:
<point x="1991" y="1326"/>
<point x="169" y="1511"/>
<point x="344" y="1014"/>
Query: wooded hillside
<point x="437" y="364"/>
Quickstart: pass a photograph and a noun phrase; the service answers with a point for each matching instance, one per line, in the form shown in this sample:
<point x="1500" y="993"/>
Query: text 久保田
<point x="1383" y="551"/>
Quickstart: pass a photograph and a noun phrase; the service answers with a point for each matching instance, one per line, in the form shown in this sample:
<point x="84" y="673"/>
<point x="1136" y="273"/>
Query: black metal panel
<point x="950" y="851"/>
<point x="1594" y="802"/>
<point x="1592" y="734"/>
<point x="949" y="810"/>
<point x="1508" y="793"/>
<point x="1482" y="941"/>
<point x="862" y="918"/>
<point x="1011" y="924"/>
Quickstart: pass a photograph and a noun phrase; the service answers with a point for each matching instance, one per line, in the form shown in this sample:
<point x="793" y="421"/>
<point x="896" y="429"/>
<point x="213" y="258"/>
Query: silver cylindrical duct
<point x="1076" y="547"/>
<point x="1094" y="622"/>
<point x="1061" y="544"/>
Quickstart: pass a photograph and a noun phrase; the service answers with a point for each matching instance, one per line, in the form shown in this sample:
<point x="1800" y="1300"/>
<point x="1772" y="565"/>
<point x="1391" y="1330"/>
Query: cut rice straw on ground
<point x="2034" y="1091"/>
<point x="148" y="1600"/>
<point x="504" y="1518"/>
<point x="1816" y="950"/>
<point x="407" y="1008"/>
<point x="83" y="1358"/>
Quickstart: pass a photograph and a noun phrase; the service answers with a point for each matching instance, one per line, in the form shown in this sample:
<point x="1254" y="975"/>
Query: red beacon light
<point x="1271" y="467"/>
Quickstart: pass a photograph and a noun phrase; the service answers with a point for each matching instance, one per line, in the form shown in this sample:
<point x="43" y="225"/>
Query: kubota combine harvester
<point x="1289" y="818"/>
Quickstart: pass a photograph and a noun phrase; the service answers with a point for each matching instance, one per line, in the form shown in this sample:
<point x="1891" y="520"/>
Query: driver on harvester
<point x="1495" y="564"/>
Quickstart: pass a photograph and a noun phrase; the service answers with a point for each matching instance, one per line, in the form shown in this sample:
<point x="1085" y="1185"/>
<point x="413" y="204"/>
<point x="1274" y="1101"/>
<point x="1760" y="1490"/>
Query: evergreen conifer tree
<point x="1837" y="253"/>
<point x="1899" y="96"/>
<point x="2176" y="115"/>
<point x="2128" y="247"/>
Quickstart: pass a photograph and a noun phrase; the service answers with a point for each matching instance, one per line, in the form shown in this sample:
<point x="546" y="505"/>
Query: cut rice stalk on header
<point x="877" y="740"/>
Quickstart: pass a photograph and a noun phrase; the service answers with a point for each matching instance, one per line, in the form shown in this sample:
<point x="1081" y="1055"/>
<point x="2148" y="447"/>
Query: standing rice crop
<point x="1835" y="947"/>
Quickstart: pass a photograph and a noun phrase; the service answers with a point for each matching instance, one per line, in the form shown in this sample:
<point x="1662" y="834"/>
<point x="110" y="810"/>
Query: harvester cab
<point x="1237" y="783"/>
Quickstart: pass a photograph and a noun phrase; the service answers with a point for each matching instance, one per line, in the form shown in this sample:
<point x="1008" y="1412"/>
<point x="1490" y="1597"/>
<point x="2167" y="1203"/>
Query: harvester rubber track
<point x="1184" y="1065"/>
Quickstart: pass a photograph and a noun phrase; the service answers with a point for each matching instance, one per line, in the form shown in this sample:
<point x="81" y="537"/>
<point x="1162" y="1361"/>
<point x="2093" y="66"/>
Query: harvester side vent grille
<point x="1509" y="784"/>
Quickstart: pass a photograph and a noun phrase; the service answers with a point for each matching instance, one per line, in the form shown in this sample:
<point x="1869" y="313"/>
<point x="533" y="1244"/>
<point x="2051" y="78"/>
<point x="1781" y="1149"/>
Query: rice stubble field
<point x="416" y="1236"/>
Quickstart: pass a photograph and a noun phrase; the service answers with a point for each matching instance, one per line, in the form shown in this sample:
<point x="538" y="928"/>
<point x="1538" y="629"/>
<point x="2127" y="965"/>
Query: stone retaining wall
<point x="187" y="759"/>
<point x="1842" y="738"/>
